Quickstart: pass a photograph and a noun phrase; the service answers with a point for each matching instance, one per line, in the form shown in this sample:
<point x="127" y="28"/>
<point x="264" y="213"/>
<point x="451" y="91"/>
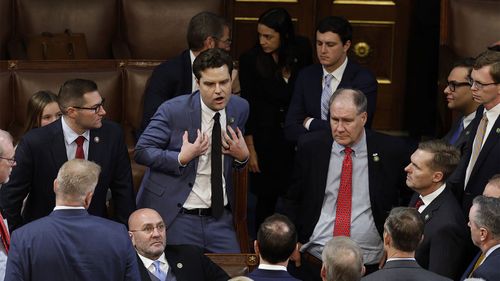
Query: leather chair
<point x="5" y="26"/>
<point x="97" y="19"/>
<point x="235" y="264"/>
<point x="156" y="29"/>
<point x="5" y="97"/>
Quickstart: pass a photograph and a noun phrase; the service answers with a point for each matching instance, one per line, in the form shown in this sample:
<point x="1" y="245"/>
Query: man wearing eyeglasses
<point x="80" y="133"/>
<point x="482" y="157"/>
<point x="159" y="261"/>
<point x="459" y="98"/>
<point x="70" y="244"/>
<point x="6" y="163"/>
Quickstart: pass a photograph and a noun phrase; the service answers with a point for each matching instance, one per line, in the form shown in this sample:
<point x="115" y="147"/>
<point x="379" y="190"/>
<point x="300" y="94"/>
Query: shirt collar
<point x="493" y="113"/>
<point x="148" y="262"/>
<point x="70" y="135"/>
<point x="271" y="267"/>
<point x="400" y="259"/>
<point x="467" y="119"/>
<point x="337" y="73"/>
<point x="491" y="250"/>
<point x="68" y="208"/>
<point x="427" y="199"/>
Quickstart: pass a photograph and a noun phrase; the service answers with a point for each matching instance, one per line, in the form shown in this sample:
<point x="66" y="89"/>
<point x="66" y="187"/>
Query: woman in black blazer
<point x="267" y="75"/>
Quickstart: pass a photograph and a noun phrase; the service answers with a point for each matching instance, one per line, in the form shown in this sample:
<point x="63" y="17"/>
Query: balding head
<point x="7" y="153"/>
<point x="342" y="259"/>
<point x="147" y="232"/>
<point x="492" y="189"/>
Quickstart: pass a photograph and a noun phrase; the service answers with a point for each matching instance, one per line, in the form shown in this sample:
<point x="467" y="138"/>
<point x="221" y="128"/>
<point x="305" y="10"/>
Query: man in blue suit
<point x="187" y="183"/>
<point x="276" y="241"/>
<point x="484" y="223"/>
<point x="70" y="244"/>
<point x="315" y="84"/>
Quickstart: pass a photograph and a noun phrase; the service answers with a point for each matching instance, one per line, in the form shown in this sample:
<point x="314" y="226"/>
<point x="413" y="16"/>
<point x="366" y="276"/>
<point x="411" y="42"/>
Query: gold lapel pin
<point x="375" y="157"/>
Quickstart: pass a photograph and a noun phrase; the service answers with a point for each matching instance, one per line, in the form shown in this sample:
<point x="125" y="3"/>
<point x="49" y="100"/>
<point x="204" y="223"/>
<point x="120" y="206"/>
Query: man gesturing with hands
<point x="190" y="146"/>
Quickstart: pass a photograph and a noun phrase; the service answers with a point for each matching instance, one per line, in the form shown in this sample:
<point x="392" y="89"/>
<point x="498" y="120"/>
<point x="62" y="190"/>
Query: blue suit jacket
<point x="306" y="99"/>
<point x="269" y="275"/>
<point x="71" y="245"/>
<point x="489" y="270"/>
<point x="166" y="185"/>
<point x="39" y="156"/>
<point x="168" y="80"/>
<point x="403" y="270"/>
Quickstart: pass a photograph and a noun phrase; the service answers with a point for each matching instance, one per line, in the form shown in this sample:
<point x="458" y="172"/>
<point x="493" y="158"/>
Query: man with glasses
<point x="175" y="76"/>
<point x="80" y="133"/>
<point x="159" y="261"/>
<point x="6" y="163"/>
<point x="482" y="157"/>
<point x="459" y="97"/>
<point x="69" y="243"/>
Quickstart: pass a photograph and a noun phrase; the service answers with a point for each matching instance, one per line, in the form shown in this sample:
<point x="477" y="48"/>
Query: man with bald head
<point x="329" y="166"/>
<point x="69" y="243"/>
<point x="157" y="261"/>
<point x="492" y="188"/>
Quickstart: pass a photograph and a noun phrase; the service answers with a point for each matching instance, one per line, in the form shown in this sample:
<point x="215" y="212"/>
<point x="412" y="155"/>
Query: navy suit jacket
<point x="39" y="156"/>
<point x="489" y="270"/>
<point x="170" y="79"/>
<point x="166" y="185"/>
<point x="306" y="98"/>
<point x="71" y="245"/>
<point x="269" y="275"/>
<point x="387" y="157"/>
<point x="463" y="138"/>
<point x="403" y="270"/>
<point x="487" y="164"/>
<point x="443" y="249"/>
<point x="188" y="263"/>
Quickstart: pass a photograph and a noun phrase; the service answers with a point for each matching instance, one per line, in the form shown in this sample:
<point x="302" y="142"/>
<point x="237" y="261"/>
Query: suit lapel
<point x="491" y="141"/>
<point x="316" y="90"/>
<point x="58" y="147"/>
<point x="346" y="77"/>
<point x="194" y="117"/>
<point x="96" y="149"/>
<point x="433" y="207"/>
<point x="374" y="168"/>
<point x="188" y="76"/>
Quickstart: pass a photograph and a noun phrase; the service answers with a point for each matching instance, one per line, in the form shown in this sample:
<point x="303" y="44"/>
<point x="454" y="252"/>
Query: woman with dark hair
<point x="42" y="110"/>
<point x="267" y="76"/>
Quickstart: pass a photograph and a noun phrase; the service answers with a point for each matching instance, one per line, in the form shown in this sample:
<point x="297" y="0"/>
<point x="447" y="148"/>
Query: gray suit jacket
<point x="167" y="185"/>
<point x="403" y="270"/>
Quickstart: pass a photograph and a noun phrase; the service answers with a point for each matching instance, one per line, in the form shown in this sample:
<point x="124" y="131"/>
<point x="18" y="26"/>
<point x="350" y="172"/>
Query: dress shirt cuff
<point x="179" y="161"/>
<point x="308" y="123"/>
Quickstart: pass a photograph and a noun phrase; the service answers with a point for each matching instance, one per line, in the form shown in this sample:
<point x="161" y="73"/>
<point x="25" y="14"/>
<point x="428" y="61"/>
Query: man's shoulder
<point x="380" y="141"/>
<point x="313" y="70"/>
<point x="238" y="101"/>
<point x="314" y="139"/>
<point x="174" y="63"/>
<point x="266" y="274"/>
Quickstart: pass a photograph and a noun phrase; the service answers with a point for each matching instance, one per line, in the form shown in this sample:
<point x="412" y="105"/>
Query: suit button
<point x="179" y="205"/>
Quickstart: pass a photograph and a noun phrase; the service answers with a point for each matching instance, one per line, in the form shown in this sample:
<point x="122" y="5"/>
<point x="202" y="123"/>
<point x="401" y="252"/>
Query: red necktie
<point x="79" y="148"/>
<point x="5" y="234"/>
<point x="419" y="203"/>
<point x="343" y="214"/>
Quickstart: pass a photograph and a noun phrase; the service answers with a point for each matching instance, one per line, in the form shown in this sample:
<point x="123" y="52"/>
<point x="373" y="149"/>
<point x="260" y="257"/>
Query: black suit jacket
<point x="387" y="157"/>
<point x="170" y="79"/>
<point x="461" y="142"/>
<point x="487" y="164"/>
<point x="39" y="156"/>
<point x="188" y="263"/>
<point x="270" y="275"/>
<point x="442" y="251"/>
<point x="306" y="99"/>
<point x="403" y="270"/>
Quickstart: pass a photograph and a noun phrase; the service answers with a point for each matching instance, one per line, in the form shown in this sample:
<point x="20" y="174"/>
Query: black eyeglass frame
<point x="453" y="85"/>
<point x="12" y="161"/>
<point x="95" y="108"/>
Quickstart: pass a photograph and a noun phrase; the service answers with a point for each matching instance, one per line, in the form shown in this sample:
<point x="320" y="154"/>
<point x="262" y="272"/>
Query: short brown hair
<point x="491" y="58"/>
<point x="446" y="156"/>
<point x="406" y="227"/>
<point x="72" y="91"/>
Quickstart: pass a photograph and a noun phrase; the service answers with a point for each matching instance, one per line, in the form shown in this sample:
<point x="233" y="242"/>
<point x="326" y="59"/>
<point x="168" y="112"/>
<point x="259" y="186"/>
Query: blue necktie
<point x="457" y="132"/>
<point x="158" y="272"/>
<point x="325" y="96"/>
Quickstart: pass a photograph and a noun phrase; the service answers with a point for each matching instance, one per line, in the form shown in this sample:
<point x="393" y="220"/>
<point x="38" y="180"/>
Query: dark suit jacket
<point x="166" y="185"/>
<point x="71" y="245"/>
<point x="461" y="142"/>
<point x="269" y="275"/>
<point x="188" y="263"/>
<point x="487" y="164"/>
<point x="489" y="270"/>
<point x="442" y="251"/>
<point x="386" y="178"/>
<point x="170" y="79"/>
<point x="39" y="156"/>
<point x="306" y="99"/>
<point x="402" y="270"/>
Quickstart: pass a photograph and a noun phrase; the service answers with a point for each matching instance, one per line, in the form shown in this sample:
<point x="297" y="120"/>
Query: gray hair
<point x="4" y="137"/>
<point x="357" y="97"/>
<point x="343" y="259"/>
<point x="487" y="216"/>
<point x="76" y="178"/>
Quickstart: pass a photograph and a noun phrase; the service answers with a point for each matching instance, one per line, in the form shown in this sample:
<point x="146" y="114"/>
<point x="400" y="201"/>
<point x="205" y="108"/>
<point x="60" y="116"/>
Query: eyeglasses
<point x="479" y="85"/>
<point x="453" y="85"/>
<point x="11" y="161"/>
<point x="95" y="108"/>
<point x="149" y="229"/>
<point x="226" y="42"/>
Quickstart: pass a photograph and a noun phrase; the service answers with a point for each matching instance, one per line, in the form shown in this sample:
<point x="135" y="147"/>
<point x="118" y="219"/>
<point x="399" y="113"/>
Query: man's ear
<point x="323" y="272"/>
<point x="256" y="247"/>
<point x="363" y="270"/>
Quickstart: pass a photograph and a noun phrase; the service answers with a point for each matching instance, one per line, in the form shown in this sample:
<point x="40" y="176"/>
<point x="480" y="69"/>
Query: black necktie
<point x="216" y="176"/>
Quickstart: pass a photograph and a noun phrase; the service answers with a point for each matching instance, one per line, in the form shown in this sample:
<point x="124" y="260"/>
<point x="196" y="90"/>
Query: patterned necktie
<point x="419" y="203"/>
<point x="79" y="148"/>
<point x="325" y="96"/>
<point x="478" y="141"/>
<point x="216" y="173"/>
<point x="343" y="212"/>
<point x="458" y="131"/>
<point x="5" y="234"/>
<point x="158" y="272"/>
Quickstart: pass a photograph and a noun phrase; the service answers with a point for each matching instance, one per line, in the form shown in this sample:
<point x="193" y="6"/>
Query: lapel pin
<point x="467" y="132"/>
<point x="375" y="157"/>
<point x="498" y="130"/>
<point x="96" y="139"/>
<point x="426" y="218"/>
<point x="179" y="265"/>
<point x="231" y="120"/>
